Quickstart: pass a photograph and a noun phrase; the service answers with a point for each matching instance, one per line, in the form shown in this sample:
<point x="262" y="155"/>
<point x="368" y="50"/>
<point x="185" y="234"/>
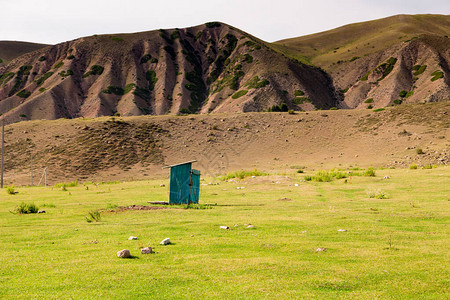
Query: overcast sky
<point x="55" y="21"/>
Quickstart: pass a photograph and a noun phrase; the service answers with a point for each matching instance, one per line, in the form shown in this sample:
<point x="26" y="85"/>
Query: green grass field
<point x="393" y="248"/>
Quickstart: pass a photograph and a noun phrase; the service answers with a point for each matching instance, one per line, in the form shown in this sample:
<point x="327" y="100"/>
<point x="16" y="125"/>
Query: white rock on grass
<point x="342" y="230"/>
<point x="224" y="227"/>
<point x="131" y="238"/>
<point x="147" y="250"/>
<point x="250" y="226"/>
<point x="124" y="253"/>
<point x="321" y="249"/>
<point x="165" y="241"/>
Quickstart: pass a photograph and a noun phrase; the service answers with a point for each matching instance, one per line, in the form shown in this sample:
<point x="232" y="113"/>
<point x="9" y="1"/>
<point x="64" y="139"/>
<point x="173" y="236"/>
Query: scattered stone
<point x="386" y="177"/>
<point x="321" y="249"/>
<point x="162" y="185"/>
<point x="296" y="184"/>
<point x="131" y="238"/>
<point x="41" y="212"/>
<point x="304" y="231"/>
<point x="250" y="226"/>
<point x="147" y="250"/>
<point x="342" y="230"/>
<point x="284" y="199"/>
<point x="236" y="225"/>
<point x="224" y="227"/>
<point x="165" y="241"/>
<point x="124" y="253"/>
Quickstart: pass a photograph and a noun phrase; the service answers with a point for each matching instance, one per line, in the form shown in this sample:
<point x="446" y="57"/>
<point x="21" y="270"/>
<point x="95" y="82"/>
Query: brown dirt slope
<point x="125" y="148"/>
<point x="207" y="68"/>
<point x="13" y="49"/>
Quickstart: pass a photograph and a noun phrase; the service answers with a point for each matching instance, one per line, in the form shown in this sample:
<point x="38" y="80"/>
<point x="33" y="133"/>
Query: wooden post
<point x="31" y="166"/>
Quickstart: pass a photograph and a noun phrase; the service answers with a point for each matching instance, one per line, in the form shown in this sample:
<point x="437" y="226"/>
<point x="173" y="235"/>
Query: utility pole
<point x="3" y="146"/>
<point x="31" y="166"/>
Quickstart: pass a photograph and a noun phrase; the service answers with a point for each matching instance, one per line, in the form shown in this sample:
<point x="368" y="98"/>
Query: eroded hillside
<point x="208" y="68"/>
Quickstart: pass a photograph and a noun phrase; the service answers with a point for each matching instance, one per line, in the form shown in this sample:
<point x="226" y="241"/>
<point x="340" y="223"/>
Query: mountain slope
<point x="12" y="49"/>
<point x="207" y="68"/>
<point x="326" y="48"/>
<point x="383" y="62"/>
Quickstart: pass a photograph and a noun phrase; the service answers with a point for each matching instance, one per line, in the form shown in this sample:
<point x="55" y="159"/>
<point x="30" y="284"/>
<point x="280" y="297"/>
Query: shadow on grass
<point x="235" y="205"/>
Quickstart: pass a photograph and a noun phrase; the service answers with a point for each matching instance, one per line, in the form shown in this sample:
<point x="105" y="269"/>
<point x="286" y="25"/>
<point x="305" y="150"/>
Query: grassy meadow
<point x="396" y="247"/>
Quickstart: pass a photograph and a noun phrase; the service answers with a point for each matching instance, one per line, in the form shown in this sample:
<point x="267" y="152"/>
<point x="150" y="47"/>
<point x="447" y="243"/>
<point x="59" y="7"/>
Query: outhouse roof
<point x="184" y="163"/>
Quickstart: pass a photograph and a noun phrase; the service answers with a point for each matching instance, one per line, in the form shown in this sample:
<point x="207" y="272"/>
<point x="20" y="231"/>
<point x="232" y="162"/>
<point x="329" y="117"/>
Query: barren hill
<point x="208" y="68"/>
<point x="12" y="49"/>
<point x="390" y="61"/>
<point x="112" y="148"/>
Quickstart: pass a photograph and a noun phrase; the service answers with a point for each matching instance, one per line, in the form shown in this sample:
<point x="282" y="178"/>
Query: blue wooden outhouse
<point x="184" y="183"/>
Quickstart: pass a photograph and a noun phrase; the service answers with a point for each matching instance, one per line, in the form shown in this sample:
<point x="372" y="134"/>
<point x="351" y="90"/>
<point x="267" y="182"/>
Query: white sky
<point x="55" y="21"/>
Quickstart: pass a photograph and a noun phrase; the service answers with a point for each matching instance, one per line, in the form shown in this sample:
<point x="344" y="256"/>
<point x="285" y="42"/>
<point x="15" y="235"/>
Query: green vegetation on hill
<point x="4" y="78"/>
<point x="256" y="82"/>
<point x="437" y="75"/>
<point x="95" y="70"/>
<point x="20" y="80"/>
<point x="40" y="81"/>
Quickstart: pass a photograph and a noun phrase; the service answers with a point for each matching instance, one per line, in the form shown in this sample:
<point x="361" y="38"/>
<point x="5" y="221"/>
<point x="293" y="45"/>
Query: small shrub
<point x="427" y="167"/>
<point x="419" y="69"/>
<point x="95" y="70"/>
<point x="377" y="194"/>
<point x="93" y="215"/>
<point x="116" y="39"/>
<point x="370" y="172"/>
<point x="128" y="88"/>
<point x="10" y="190"/>
<point x="58" y="65"/>
<point x="239" y="94"/>
<point x="419" y="151"/>
<point x="413" y="167"/>
<point x="365" y="77"/>
<point x="70" y="57"/>
<point x="23" y="94"/>
<point x="24" y="208"/>
<point x="370" y="100"/>
<point x="248" y="58"/>
<point x="300" y="100"/>
<point x="23" y="115"/>
<point x="300" y="171"/>
<point x="437" y="75"/>
<point x="42" y="58"/>
<point x="43" y="78"/>
<point x="66" y="73"/>
<point x="398" y="101"/>
<point x="291" y="112"/>
<point x="370" y="106"/>
<point x="378" y="109"/>
<point x="242" y="174"/>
